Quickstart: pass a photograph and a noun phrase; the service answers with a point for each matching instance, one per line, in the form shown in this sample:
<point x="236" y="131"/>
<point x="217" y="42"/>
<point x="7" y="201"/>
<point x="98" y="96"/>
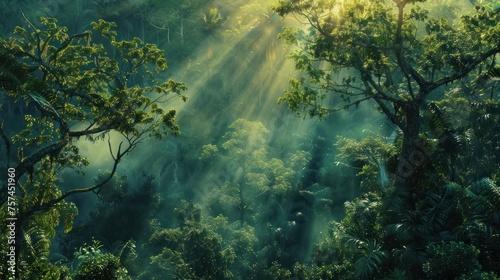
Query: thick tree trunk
<point x="410" y="157"/>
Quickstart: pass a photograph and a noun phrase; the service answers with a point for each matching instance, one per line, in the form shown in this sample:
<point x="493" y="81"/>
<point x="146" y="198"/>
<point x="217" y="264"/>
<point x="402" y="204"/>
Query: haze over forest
<point x="148" y="139"/>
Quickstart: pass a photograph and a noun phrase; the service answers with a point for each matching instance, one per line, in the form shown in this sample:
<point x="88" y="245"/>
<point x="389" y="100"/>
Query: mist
<point x="251" y="187"/>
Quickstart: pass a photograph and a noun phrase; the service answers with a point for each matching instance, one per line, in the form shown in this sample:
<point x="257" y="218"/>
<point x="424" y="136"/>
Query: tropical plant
<point x="372" y="155"/>
<point x="450" y="260"/>
<point x="211" y="20"/>
<point x="92" y="262"/>
<point x="481" y="226"/>
<point x="370" y="261"/>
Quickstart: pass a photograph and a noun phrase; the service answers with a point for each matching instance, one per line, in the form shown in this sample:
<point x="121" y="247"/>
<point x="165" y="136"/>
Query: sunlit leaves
<point x="448" y="48"/>
<point x="38" y="131"/>
<point x="256" y="175"/>
<point x="70" y="157"/>
<point x="372" y="153"/>
<point x="303" y="98"/>
<point x="361" y="37"/>
<point x="38" y="243"/>
<point x="211" y="20"/>
<point x="418" y="13"/>
<point x="82" y="71"/>
<point x="485" y="22"/>
<point x="208" y="151"/>
<point x="349" y="35"/>
<point x="106" y="29"/>
<point x="244" y="138"/>
<point x="289" y="34"/>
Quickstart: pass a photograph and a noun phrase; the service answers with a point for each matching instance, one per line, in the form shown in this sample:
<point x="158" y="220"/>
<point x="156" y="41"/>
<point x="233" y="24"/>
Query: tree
<point x="384" y="55"/>
<point x="176" y="12"/>
<point x="74" y="88"/>
<point x="257" y="177"/>
<point x="191" y="251"/>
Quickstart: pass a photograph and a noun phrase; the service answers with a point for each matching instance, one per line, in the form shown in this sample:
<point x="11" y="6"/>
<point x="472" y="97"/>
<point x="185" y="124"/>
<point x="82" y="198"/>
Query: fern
<point x="488" y="79"/>
<point x="38" y="244"/>
<point x="12" y="72"/>
<point x="412" y="254"/>
<point x="482" y="224"/>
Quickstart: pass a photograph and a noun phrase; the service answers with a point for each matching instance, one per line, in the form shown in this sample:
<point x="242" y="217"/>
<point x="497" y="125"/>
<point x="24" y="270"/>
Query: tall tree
<point x="383" y="54"/>
<point x="75" y="89"/>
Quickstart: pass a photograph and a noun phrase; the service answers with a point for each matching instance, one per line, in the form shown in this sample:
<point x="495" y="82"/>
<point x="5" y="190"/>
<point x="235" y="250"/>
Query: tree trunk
<point x="410" y="157"/>
<point x="242" y="206"/>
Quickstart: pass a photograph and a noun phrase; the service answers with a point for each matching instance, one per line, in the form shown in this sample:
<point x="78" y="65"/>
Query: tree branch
<point x="28" y="163"/>
<point x="54" y="201"/>
<point x="92" y="131"/>
<point x="407" y="69"/>
<point x="38" y="40"/>
<point x="461" y="74"/>
<point x="385" y="109"/>
<point x="65" y="44"/>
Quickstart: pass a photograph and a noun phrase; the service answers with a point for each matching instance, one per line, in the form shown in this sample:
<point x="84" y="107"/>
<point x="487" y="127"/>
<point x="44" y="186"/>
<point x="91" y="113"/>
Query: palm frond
<point x="42" y="103"/>
<point x="37" y="243"/>
<point x="488" y="79"/>
<point x="371" y="260"/>
<point x="483" y="197"/>
<point x="412" y="254"/>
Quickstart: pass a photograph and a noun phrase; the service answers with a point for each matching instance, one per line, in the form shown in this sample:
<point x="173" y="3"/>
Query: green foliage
<point x="396" y="274"/>
<point x="192" y="251"/>
<point x="111" y="221"/>
<point x="256" y="174"/>
<point x="101" y="267"/>
<point x="211" y="20"/>
<point x="276" y="271"/>
<point x="74" y="86"/>
<point x="83" y="84"/>
<point x="241" y="244"/>
<point x="450" y="260"/>
<point x="208" y="152"/>
<point x="42" y="187"/>
<point x="187" y="213"/>
<point x="363" y="32"/>
<point x="482" y="217"/>
<point x="114" y="190"/>
<point x="44" y="270"/>
<point x="13" y="73"/>
<point x="391" y="52"/>
<point x="370" y="261"/>
<point x="467" y="120"/>
<point x="372" y="154"/>
<point x="93" y="263"/>
<point x="38" y="245"/>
